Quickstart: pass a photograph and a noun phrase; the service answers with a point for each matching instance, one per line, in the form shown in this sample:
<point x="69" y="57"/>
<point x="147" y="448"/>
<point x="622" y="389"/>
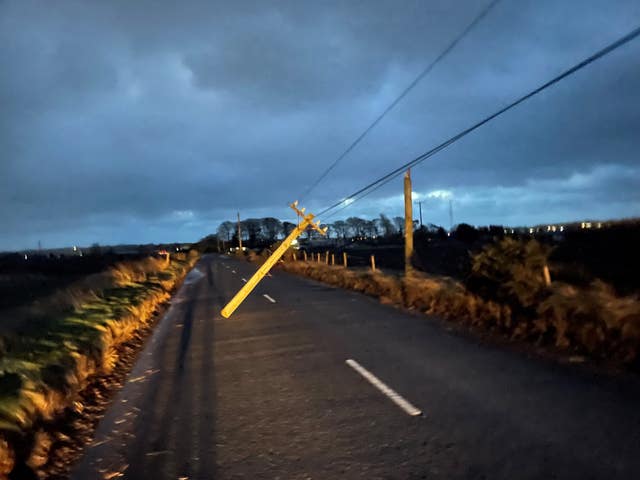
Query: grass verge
<point x="592" y="321"/>
<point x="46" y="360"/>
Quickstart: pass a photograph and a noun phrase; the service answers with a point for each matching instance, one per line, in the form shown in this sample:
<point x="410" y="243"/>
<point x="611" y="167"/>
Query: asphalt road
<point x="269" y="394"/>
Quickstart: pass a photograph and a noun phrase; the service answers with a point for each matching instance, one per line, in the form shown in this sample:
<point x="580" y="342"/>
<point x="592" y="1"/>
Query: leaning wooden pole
<point x="271" y="261"/>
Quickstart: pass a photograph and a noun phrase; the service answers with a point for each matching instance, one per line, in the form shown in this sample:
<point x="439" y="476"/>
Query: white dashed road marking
<point x="244" y="280"/>
<point x="389" y="392"/>
<point x="233" y="271"/>
<point x="269" y="298"/>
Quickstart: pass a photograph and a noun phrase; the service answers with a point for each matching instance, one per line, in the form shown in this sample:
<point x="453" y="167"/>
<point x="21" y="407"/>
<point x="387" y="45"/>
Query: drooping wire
<point x="399" y="98"/>
<point x="349" y="200"/>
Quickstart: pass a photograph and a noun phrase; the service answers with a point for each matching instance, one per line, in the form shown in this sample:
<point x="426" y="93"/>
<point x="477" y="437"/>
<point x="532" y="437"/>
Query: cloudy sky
<point x="152" y="121"/>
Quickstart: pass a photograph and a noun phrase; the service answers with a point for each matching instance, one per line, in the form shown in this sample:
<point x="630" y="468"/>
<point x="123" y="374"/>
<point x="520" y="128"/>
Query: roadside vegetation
<point x="505" y="293"/>
<point x="52" y="346"/>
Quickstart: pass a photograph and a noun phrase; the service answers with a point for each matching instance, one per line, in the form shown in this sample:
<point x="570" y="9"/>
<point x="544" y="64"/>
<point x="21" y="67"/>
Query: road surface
<point x="306" y="381"/>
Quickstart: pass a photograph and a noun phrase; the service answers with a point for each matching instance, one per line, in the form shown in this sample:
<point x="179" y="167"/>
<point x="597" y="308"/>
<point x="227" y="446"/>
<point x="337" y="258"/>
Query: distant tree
<point x="287" y="227"/>
<point x="370" y="228"/>
<point x="253" y="228"/>
<point x="399" y="222"/>
<point x="386" y="226"/>
<point x="226" y="230"/>
<point x="340" y="228"/>
<point x="272" y="227"/>
<point x="95" y="250"/>
<point x="496" y="231"/>
<point x="356" y="226"/>
<point x="466" y="233"/>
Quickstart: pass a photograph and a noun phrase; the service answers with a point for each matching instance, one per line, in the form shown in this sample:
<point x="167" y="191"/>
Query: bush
<point x="511" y="271"/>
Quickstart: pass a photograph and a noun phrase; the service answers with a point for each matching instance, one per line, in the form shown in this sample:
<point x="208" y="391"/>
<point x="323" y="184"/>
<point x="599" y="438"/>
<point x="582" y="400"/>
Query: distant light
<point x="294" y="242"/>
<point x="75" y="249"/>
<point x="562" y="228"/>
<point x="177" y="249"/>
<point x="599" y="225"/>
<point x="26" y="257"/>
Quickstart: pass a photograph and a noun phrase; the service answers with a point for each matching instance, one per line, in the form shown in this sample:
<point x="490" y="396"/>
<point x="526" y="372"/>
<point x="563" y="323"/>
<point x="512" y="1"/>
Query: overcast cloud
<point x="152" y="121"/>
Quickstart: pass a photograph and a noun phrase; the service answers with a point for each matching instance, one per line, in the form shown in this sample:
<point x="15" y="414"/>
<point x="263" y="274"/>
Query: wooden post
<point x="239" y="233"/>
<point x="295" y="257"/>
<point x="344" y="259"/>
<point x="304" y="252"/>
<point x="333" y="259"/>
<point x="326" y="257"/>
<point x="547" y="275"/>
<point x="408" y="224"/>
<point x="318" y="257"/>
<point x="373" y="263"/>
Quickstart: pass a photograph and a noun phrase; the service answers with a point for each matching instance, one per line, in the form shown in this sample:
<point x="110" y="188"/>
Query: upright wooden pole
<point x="547" y="275"/>
<point x="373" y="263"/>
<point x="344" y="259"/>
<point x="408" y="224"/>
<point x="333" y="259"/>
<point x="239" y="233"/>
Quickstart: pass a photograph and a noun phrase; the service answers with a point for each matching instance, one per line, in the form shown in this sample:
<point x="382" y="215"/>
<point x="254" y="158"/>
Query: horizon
<point x="164" y="125"/>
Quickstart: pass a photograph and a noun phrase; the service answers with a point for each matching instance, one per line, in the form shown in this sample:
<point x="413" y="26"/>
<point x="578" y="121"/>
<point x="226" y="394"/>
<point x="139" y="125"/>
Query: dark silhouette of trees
<point x="251" y="228"/>
<point x="226" y="230"/>
<point x="399" y="222"/>
<point x="466" y="233"/>
<point x="386" y="226"/>
<point x="271" y="228"/>
<point x="340" y="228"/>
<point x="287" y="228"/>
<point x="357" y="226"/>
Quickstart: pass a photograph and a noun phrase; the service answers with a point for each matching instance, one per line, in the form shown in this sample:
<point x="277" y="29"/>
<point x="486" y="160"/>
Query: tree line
<point x="257" y="231"/>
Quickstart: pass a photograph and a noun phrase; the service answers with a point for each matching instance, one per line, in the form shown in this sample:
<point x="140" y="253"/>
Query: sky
<point x="153" y="121"/>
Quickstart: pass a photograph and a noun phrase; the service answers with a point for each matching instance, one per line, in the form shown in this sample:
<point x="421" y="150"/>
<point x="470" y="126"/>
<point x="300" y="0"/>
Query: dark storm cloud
<point x="151" y="121"/>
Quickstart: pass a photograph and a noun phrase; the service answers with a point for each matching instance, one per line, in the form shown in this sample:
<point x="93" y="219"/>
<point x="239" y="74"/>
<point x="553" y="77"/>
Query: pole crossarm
<point x="242" y="294"/>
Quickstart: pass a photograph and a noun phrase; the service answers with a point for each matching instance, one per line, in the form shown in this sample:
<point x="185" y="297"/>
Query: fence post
<point x="344" y="259"/>
<point x="547" y="275"/>
<point x="373" y="263"/>
<point x="318" y="257"/>
<point x="295" y="257"/>
<point x="304" y="252"/>
<point x="333" y="259"/>
<point x="326" y="257"/>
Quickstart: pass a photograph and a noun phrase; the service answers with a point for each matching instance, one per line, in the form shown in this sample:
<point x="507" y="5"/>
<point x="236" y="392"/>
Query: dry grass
<point x="46" y="358"/>
<point x="590" y="321"/>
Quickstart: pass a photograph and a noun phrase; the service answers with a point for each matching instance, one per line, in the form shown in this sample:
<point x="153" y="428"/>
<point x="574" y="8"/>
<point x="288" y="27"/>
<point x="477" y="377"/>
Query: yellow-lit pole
<point x="408" y="224"/>
<point x="270" y="262"/>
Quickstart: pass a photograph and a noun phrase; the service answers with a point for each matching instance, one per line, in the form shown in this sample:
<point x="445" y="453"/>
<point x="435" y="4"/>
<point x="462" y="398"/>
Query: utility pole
<point x="419" y="202"/>
<point x="307" y="221"/>
<point x="239" y="233"/>
<point x="408" y="224"/>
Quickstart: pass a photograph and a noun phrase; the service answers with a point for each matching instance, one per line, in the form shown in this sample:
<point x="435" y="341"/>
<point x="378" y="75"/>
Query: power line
<point x="403" y="94"/>
<point x="394" y="173"/>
